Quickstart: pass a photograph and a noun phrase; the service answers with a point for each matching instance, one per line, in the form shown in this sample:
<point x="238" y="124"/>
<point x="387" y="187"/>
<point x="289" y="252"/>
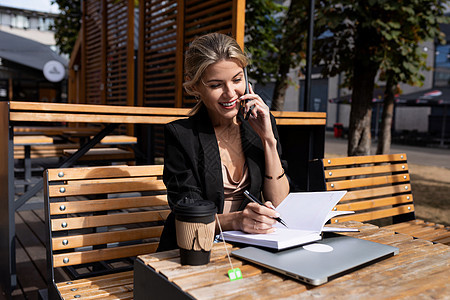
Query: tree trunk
<point x="364" y="71"/>
<point x="384" y="136"/>
<point x="359" y="135"/>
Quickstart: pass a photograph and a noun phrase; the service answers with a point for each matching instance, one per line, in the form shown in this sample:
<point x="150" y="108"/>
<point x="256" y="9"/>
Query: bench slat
<point x="336" y="173"/>
<point x="74" y="241"/>
<point x="369" y="204"/>
<point x="375" y="214"/>
<point x="367" y="182"/>
<point x="96" y="154"/>
<point x="118" y="139"/>
<point x="378" y="192"/>
<point x="107" y="186"/>
<point x="21" y="140"/>
<point x="108" y="220"/>
<point x="106" y="204"/>
<point x="115" y="288"/>
<point x="105" y="172"/>
<point x="119" y="290"/>
<point x="354" y="160"/>
<point x="75" y="258"/>
<point x="97" y="281"/>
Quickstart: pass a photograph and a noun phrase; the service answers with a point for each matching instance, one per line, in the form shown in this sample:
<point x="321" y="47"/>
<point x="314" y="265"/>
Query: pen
<point x="254" y="199"/>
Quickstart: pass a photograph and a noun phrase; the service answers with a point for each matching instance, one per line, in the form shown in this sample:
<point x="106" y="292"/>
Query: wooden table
<point x="422" y="269"/>
<point x="27" y="141"/>
<point x="302" y="135"/>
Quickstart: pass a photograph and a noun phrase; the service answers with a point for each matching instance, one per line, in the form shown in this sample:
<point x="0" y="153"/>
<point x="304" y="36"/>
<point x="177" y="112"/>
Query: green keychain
<point x="235" y="274"/>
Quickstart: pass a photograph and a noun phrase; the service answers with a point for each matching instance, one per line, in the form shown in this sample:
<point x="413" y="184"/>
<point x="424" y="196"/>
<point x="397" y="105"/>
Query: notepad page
<point x="308" y="210"/>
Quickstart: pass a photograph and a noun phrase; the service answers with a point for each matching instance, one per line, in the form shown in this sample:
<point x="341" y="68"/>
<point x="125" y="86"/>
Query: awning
<point x="431" y="97"/>
<point x="27" y="52"/>
<point x="439" y="96"/>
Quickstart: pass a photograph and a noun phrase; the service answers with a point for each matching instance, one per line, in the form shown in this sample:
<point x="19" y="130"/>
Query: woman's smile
<point x="229" y="105"/>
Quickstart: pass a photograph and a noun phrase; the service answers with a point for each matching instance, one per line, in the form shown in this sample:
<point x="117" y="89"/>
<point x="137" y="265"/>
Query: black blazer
<point x="193" y="169"/>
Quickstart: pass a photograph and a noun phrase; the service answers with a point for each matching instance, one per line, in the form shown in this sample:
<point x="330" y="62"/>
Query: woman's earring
<point x="197" y="98"/>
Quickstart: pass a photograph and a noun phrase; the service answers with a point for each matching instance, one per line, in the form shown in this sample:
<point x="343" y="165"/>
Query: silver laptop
<point x="319" y="262"/>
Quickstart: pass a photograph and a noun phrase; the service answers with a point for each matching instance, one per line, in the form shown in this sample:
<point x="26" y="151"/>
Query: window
<point x="442" y="66"/>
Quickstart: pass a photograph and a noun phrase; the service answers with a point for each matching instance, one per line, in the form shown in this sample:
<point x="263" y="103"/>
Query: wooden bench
<point x="27" y="141"/>
<point x="99" y="155"/>
<point x="96" y="240"/>
<point x="118" y="140"/>
<point x="379" y="187"/>
<point x="44" y="151"/>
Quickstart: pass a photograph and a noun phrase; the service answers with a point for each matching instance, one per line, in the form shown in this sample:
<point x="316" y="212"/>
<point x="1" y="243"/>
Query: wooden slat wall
<point x="92" y="62"/>
<point x="109" y="54"/>
<point x="166" y="29"/>
<point x="158" y="51"/>
<point x="109" y="51"/>
<point x="119" y="41"/>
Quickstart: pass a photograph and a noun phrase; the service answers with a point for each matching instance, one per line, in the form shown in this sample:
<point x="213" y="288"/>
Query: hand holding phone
<point x="247" y="90"/>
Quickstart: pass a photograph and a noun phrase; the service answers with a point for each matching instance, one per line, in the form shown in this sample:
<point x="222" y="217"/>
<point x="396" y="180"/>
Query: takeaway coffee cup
<point x="195" y="226"/>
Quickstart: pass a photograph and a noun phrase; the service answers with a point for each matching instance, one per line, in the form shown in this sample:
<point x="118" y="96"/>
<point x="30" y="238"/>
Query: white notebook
<point x="305" y="215"/>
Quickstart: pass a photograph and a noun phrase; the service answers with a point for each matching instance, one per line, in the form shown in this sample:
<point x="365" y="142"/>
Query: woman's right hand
<point x="256" y="218"/>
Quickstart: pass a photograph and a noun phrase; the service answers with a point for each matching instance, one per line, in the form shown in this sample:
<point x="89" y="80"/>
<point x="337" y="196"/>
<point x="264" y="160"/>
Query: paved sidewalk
<point x="416" y="155"/>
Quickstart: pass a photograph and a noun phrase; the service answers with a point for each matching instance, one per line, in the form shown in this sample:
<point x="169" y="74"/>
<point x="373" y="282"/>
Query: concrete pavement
<point x="416" y="155"/>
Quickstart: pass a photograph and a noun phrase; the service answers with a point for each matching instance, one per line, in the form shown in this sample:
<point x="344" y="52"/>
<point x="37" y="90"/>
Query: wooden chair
<point x="378" y="187"/>
<point x="98" y="220"/>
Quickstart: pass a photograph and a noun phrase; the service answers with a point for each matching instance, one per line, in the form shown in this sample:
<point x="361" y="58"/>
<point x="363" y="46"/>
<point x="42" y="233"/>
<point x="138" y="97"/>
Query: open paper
<point x="305" y="215"/>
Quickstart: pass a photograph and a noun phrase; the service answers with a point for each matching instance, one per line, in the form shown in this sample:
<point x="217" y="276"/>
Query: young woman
<point x="216" y="154"/>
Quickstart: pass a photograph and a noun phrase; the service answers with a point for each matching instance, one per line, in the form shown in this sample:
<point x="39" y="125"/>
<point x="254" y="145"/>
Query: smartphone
<point x="247" y="90"/>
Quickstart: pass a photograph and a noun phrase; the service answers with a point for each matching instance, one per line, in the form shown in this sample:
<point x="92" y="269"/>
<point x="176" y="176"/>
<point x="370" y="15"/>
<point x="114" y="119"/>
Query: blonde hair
<point x="205" y="51"/>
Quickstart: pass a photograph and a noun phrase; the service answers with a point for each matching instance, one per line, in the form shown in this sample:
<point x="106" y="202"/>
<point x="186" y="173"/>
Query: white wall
<point x="412" y="118"/>
<point x="43" y="37"/>
<point x="292" y="97"/>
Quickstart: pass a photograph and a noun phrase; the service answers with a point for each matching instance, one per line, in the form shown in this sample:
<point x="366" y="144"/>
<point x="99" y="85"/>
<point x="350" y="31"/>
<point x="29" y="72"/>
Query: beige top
<point x="234" y="190"/>
<point x="235" y="179"/>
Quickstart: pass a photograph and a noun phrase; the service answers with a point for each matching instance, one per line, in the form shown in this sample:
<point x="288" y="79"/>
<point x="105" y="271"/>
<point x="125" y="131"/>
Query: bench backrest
<point x="97" y="216"/>
<point x="378" y="186"/>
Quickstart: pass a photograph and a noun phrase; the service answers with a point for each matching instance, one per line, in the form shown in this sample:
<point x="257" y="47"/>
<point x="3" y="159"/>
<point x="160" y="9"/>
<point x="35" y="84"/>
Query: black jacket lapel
<point x="210" y="166"/>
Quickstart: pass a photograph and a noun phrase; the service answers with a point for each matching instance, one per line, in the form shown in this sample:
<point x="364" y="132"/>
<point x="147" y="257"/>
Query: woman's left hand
<point x="259" y="117"/>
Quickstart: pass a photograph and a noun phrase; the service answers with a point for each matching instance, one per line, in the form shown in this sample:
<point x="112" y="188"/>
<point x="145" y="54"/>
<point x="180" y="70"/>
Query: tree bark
<point x="364" y="72"/>
<point x="384" y="136"/>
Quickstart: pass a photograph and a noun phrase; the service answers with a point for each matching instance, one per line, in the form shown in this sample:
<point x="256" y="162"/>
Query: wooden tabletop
<point x="420" y="269"/>
<point x="88" y="113"/>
